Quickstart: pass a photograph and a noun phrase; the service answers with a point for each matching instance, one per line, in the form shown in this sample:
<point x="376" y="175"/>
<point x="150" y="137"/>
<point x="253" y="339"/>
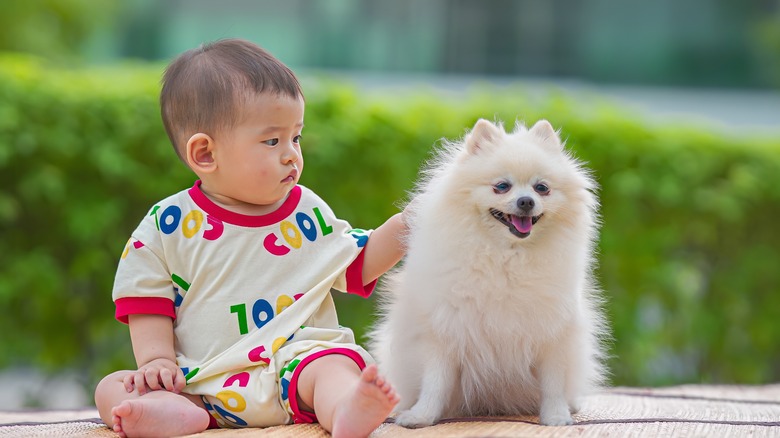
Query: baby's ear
<point x="199" y="153"/>
<point x="544" y="131"/>
<point x="483" y="134"/>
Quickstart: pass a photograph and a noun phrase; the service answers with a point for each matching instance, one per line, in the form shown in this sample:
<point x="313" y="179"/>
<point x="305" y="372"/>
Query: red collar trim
<point x="207" y="205"/>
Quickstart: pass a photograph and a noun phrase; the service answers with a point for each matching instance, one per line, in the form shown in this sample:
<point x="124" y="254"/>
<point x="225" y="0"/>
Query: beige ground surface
<point x="681" y="411"/>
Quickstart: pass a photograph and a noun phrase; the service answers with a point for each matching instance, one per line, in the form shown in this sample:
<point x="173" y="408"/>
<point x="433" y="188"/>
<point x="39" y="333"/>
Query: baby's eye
<point x="272" y="142"/>
<point x="542" y="189"/>
<point x="297" y="139"/>
<point x="501" y="187"/>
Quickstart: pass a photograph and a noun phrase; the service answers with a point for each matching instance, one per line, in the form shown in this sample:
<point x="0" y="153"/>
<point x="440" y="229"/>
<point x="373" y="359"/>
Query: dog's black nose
<point x="526" y="203"/>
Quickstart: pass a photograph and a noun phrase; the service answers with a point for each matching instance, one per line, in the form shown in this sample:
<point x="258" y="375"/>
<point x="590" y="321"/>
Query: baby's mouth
<point x="520" y="226"/>
<point x="291" y="177"/>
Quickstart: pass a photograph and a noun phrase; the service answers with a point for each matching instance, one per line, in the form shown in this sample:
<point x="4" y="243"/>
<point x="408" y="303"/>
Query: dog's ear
<point x="544" y="131"/>
<point x="481" y="135"/>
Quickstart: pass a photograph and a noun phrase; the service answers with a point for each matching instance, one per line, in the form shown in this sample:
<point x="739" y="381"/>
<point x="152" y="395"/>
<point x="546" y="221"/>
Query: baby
<point x="226" y="286"/>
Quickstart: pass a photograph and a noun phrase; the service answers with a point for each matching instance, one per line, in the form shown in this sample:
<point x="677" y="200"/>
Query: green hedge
<point x="688" y="253"/>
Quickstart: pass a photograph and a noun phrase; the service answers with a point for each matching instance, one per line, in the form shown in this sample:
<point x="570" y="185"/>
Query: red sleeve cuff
<point x="143" y="305"/>
<point x="355" y="278"/>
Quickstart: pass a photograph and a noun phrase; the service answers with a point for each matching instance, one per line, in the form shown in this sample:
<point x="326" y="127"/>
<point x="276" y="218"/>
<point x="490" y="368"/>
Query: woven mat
<point x="691" y="410"/>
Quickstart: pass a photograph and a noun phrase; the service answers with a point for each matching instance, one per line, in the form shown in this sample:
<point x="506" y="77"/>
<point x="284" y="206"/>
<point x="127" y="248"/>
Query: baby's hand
<point x="155" y="375"/>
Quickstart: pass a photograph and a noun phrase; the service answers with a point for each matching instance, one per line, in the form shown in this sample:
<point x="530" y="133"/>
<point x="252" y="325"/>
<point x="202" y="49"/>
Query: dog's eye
<point x="542" y="189"/>
<point x="502" y="187"/>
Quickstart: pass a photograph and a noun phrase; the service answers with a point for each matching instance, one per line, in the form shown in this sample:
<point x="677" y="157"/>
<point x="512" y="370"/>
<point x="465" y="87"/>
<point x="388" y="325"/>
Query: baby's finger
<point x="179" y="381"/>
<point x="140" y="382"/>
<point x="153" y="379"/>
<point x="166" y="379"/>
<point x="128" y="382"/>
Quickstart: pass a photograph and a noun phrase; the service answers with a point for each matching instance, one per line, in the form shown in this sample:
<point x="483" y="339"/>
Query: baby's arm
<point x="152" y="338"/>
<point x="384" y="249"/>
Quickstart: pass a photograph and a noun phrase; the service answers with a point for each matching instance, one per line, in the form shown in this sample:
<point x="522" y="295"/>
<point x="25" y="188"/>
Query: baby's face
<point x="259" y="161"/>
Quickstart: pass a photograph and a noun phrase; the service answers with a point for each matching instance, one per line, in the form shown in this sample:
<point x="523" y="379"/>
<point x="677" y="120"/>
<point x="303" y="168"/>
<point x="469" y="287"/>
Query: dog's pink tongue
<point x="522" y="223"/>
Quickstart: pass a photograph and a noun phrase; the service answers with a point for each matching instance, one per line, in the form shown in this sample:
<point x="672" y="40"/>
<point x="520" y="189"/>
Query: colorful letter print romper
<point x="250" y="297"/>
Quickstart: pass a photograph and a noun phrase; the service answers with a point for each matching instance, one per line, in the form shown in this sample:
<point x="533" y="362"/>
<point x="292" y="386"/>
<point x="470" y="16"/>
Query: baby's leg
<point x="156" y="413"/>
<point x="347" y="402"/>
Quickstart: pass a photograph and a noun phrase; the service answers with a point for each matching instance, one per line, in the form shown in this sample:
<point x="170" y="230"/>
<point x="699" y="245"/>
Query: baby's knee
<point x="109" y="392"/>
<point x="112" y="379"/>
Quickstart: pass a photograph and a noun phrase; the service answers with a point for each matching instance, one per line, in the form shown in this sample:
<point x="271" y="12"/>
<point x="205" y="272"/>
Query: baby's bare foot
<point x="372" y="400"/>
<point x="159" y="414"/>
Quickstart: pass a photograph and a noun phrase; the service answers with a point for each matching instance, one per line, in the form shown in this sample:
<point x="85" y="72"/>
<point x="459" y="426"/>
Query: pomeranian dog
<point x="494" y="310"/>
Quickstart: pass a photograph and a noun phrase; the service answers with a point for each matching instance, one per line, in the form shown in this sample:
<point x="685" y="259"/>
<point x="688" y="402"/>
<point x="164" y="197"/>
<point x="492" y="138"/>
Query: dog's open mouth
<point x="520" y="226"/>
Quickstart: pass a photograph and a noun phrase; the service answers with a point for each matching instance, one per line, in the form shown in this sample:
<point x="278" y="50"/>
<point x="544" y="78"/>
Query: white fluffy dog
<point x="494" y="311"/>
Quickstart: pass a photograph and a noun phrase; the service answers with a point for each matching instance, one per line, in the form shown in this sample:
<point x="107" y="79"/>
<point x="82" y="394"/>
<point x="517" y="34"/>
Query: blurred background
<point x="674" y="104"/>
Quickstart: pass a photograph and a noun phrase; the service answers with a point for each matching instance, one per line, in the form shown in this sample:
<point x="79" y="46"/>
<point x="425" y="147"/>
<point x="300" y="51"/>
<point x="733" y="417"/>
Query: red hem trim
<point x="355" y="278"/>
<point x="212" y="422"/>
<point x="207" y="205"/>
<point x="143" y="305"/>
<point x="303" y="417"/>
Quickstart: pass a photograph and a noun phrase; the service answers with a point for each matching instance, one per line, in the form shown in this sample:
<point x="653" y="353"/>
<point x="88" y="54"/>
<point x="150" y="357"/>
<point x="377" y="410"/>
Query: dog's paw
<point x="557" y="415"/>
<point x="558" y="420"/>
<point x="575" y="406"/>
<point x="414" y="419"/>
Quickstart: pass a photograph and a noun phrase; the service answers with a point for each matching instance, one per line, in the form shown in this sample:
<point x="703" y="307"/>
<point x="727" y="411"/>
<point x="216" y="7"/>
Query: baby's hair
<point x="204" y="88"/>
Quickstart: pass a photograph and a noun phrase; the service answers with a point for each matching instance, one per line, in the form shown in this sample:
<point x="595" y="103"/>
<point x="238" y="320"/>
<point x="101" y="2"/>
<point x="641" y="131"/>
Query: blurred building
<point x="712" y="43"/>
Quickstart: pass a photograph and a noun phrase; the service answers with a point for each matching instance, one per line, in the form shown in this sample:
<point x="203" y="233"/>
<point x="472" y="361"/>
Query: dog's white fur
<point x="478" y="321"/>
